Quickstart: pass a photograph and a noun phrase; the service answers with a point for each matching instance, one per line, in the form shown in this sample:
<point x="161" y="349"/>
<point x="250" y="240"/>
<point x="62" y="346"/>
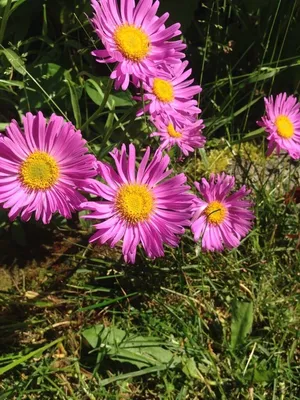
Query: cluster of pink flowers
<point x="146" y="206"/>
<point x="140" y="44"/>
<point x="46" y="166"/>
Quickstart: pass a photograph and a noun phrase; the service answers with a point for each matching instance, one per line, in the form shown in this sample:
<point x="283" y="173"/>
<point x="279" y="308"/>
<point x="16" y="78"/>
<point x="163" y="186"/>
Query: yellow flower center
<point x="132" y="42"/>
<point x="163" y="90"/>
<point x="172" y="132"/>
<point x="215" y="212"/>
<point x="39" y="171"/>
<point x="285" y="127"/>
<point x="134" y="202"/>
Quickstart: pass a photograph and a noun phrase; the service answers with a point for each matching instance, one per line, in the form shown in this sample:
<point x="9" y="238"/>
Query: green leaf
<point x="35" y="353"/>
<point x="94" y="91"/>
<point x="74" y="94"/>
<point x="16" y="62"/>
<point x="91" y="335"/>
<point x="9" y="83"/>
<point x="99" y="333"/>
<point x="131" y="375"/>
<point x="263" y="375"/>
<point x="144" y="351"/>
<point x="106" y="302"/>
<point x="47" y="84"/>
<point x="191" y="370"/>
<point x="260" y="373"/>
<point x="4" y="19"/>
<point x="95" y="88"/>
<point x="141" y="351"/>
<point x="241" y="323"/>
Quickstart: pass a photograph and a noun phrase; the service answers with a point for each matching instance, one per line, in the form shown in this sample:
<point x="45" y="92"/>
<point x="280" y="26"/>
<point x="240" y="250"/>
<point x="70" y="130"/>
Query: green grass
<point x="75" y="321"/>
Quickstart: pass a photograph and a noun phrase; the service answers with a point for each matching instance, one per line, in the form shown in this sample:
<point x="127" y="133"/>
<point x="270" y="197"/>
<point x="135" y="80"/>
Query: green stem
<point x="97" y="113"/>
<point x="4" y="20"/>
<point x="119" y="122"/>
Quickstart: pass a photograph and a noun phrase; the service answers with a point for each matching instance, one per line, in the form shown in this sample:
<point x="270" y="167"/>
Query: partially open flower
<point x="185" y="134"/>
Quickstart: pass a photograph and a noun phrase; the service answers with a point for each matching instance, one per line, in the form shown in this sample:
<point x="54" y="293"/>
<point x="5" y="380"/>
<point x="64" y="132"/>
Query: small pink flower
<point x="43" y="167"/>
<point x="135" y="38"/>
<point x="169" y="91"/>
<point x="221" y="219"/>
<point x="282" y="122"/>
<point x="185" y="134"/>
<point x="143" y="206"/>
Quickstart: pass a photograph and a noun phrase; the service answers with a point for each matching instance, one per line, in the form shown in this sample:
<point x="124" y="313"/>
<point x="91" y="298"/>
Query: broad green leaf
<point x="94" y="91"/>
<point x="91" y="335"/>
<point x="191" y="370"/>
<point x="260" y="373"/>
<point x="141" y="351"/>
<point x="241" y="323"/>
<point x="100" y="334"/>
<point x="144" y="351"/>
<point x="95" y="88"/>
<point x="133" y="357"/>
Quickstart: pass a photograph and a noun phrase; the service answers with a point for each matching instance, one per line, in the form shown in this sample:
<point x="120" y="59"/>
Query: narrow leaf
<point x="16" y="62"/>
<point x="74" y="102"/>
<point x="28" y="356"/>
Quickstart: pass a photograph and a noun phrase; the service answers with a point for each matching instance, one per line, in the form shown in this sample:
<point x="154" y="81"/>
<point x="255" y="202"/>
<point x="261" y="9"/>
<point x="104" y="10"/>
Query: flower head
<point x="282" y="122"/>
<point x="143" y="206"/>
<point x="135" y="38"/>
<point x="185" y="134"/>
<point x="43" y="167"/>
<point x="169" y="91"/>
<point x="221" y="219"/>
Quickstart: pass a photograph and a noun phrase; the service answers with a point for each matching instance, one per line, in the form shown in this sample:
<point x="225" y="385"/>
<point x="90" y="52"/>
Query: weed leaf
<point x="241" y="323"/>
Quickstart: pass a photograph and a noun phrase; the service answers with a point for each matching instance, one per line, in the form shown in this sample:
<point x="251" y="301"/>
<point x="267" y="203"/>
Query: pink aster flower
<point x="221" y="219"/>
<point x="43" y="167"/>
<point x="282" y="122"/>
<point x="143" y="206"/>
<point x="134" y="37"/>
<point x="186" y="135"/>
<point x="169" y="91"/>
